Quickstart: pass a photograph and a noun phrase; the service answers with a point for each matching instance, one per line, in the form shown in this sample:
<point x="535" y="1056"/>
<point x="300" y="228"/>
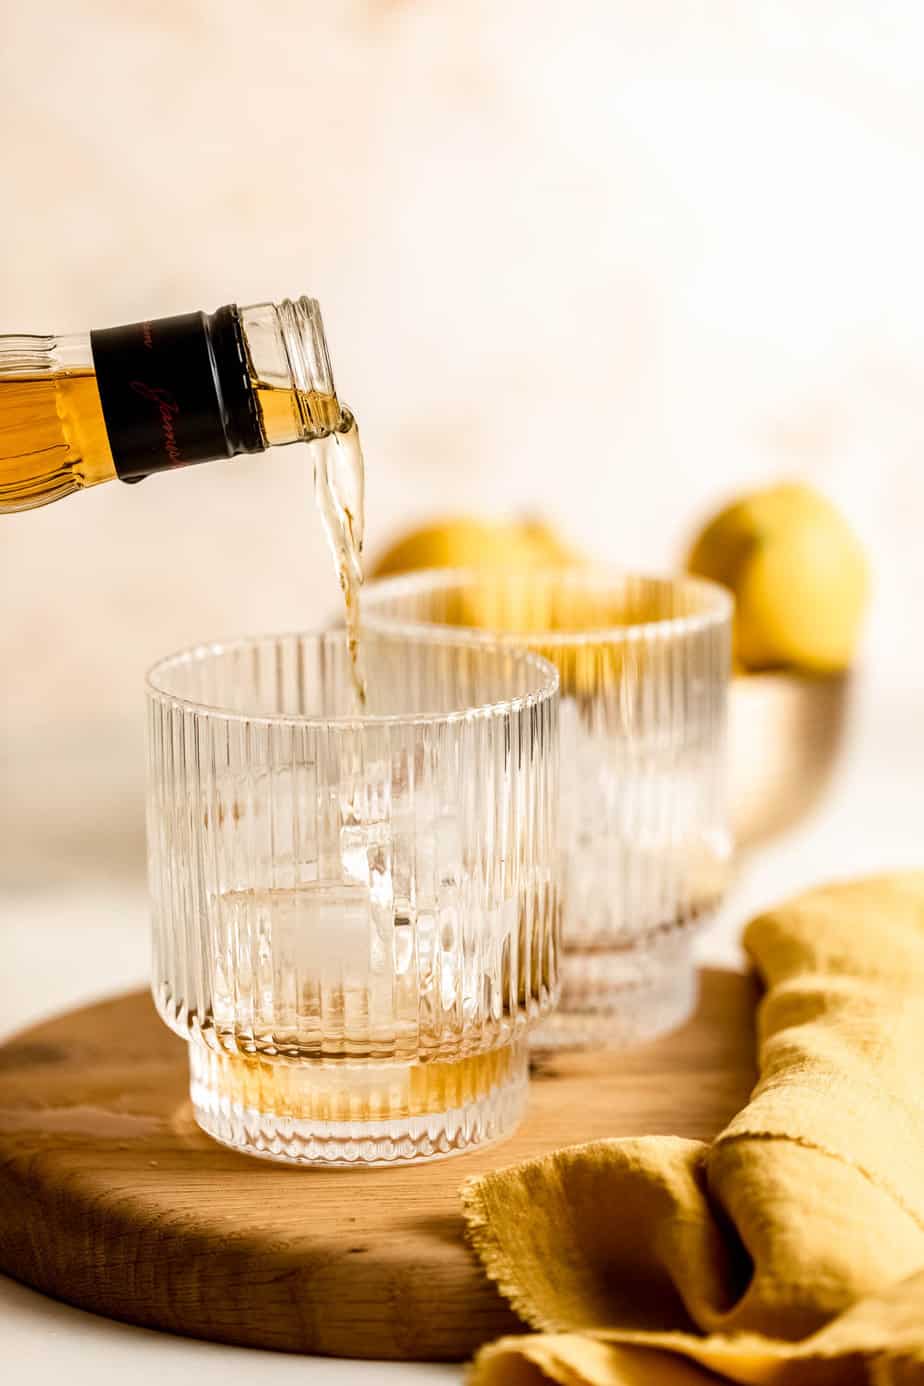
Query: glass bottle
<point x="126" y="402"/>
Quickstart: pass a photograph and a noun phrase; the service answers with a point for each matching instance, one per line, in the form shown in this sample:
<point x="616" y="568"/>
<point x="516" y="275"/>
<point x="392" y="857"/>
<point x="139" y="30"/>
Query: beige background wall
<point x="605" y="260"/>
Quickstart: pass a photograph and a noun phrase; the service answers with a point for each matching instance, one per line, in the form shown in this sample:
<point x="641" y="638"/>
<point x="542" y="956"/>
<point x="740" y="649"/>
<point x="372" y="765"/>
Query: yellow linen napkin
<point x="791" y="1250"/>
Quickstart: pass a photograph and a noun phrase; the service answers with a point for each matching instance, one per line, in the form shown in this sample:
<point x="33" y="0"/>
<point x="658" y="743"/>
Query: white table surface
<point x="61" y="949"/>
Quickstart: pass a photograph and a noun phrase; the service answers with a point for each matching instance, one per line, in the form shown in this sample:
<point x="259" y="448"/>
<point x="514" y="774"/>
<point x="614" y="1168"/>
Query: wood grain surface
<point x="113" y="1200"/>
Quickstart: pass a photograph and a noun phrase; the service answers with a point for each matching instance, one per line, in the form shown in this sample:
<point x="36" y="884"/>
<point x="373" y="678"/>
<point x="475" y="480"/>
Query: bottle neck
<point x="193" y="388"/>
<point x="290" y="371"/>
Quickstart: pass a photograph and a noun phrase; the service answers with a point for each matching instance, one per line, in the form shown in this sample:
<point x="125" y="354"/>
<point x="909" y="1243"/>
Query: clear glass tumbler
<point x="644" y="666"/>
<point x="356" y="917"/>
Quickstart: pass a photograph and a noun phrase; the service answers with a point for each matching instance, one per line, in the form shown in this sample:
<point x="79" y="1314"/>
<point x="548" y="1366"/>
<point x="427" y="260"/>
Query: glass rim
<point x="717" y="609"/>
<point x="547" y="685"/>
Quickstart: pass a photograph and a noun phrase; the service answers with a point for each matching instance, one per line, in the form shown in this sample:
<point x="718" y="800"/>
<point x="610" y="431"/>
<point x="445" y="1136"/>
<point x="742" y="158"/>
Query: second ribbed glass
<point x="355" y="917"/>
<point x="644" y="667"/>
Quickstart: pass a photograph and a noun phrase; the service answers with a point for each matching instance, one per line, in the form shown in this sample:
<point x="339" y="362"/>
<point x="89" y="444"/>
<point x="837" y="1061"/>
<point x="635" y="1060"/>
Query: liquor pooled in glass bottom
<point x="355" y="913"/>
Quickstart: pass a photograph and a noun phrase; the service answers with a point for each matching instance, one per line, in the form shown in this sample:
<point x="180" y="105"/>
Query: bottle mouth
<point x="306" y="345"/>
<point x="290" y="370"/>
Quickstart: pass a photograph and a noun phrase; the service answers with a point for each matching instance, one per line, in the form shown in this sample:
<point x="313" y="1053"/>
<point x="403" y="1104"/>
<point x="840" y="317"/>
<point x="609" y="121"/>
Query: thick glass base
<point x="617" y="999"/>
<point x="332" y="1114"/>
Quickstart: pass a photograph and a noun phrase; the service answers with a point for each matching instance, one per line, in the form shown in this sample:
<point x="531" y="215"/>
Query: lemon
<point x="471" y="543"/>
<point x="490" y="549"/>
<point x="799" y="576"/>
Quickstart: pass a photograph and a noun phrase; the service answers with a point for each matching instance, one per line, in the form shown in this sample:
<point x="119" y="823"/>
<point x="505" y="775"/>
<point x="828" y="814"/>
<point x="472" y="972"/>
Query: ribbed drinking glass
<point x="644" y="667"/>
<point x="355" y="916"/>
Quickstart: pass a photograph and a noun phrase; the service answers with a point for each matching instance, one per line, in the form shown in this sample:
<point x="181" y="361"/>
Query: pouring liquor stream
<point x="339" y="484"/>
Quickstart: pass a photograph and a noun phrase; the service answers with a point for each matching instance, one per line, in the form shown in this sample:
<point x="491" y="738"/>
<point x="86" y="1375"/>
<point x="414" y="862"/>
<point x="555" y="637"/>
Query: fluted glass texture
<point x="355" y="916"/>
<point x="644" y="666"/>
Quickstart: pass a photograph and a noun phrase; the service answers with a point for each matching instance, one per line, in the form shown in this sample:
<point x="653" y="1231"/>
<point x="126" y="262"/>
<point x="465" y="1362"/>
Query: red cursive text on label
<point x="147" y="337"/>
<point x="168" y="410"/>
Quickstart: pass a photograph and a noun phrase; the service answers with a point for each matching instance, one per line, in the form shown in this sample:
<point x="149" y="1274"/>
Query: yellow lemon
<point x="799" y="576"/>
<point x="470" y="543"/>
<point x="491" y="549"/>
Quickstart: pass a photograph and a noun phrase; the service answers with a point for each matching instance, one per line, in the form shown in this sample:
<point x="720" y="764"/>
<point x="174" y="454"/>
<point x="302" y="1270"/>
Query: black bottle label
<point x="175" y="391"/>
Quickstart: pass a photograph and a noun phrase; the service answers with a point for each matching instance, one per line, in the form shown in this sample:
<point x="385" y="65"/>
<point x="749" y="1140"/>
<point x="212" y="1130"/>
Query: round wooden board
<point x="113" y="1200"/>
